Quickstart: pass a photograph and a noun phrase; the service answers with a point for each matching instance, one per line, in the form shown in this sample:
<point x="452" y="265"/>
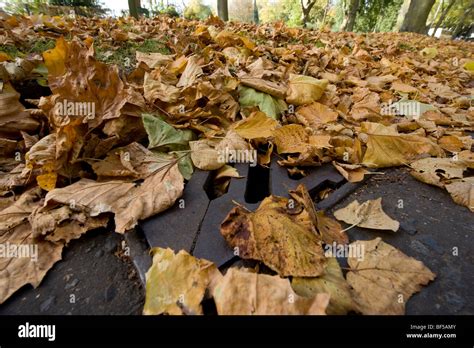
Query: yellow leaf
<point x="305" y="89"/>
<point x="55" y="58"/>
<point x="257" y="125"/>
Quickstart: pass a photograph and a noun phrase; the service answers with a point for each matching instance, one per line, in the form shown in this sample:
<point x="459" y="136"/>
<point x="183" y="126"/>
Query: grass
<point x="38" y="46"/>
<point x="124" y="55"/>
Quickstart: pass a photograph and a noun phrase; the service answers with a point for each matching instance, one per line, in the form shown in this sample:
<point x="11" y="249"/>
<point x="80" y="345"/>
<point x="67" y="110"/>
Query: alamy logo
<point x="37" y="331"/>
<point x="70" y="108"/>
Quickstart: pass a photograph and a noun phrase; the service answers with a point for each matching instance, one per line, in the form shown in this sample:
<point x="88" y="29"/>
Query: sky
<point x="116" y="6"/>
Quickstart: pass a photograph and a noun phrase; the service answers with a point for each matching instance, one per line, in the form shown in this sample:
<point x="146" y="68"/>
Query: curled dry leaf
<point x="177" y="283"/>
<point x="435" y="171"/>
<point x="352" y="172"/>
<point x="241" y="292"/>
<point x="385" y="278"/>
<point x="283" y="240"/>
<point x="367" y="215"/>
<point x="462" y="192"/>
<point x="27" y="258"/>
<point x="129" y="201"/>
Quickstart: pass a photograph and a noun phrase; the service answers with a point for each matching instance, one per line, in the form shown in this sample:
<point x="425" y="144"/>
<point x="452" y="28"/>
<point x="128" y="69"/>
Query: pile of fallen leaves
<point x="110" y="142"/>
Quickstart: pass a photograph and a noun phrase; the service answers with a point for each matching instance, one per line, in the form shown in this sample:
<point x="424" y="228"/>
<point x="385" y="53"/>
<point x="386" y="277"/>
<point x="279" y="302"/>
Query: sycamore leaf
<point x="330" y="230"/>
<point x="305" y="89"/>
<point x="352" y="172"/>
<point x="204" y="155"/>
<point x="462" y="192"/>
<point x="291" y="138"/>
<point x="394" y="150"/>
<point x="331" y="282"/>
<point x="271" y="106"/>
<point x="434" y="171"/>
<point x="162" y="134"/>
<point x="383" y="276"/>
<point x="257" y="125"/>
<point x="15" y="232"/>
<point x="367" y="215"/>
<point x="256" y="235"/>
<point x="315" y="115"/>
<point x="129" y="202"/>
<point x="176" y="283"/>
<point x="241" y="292"/>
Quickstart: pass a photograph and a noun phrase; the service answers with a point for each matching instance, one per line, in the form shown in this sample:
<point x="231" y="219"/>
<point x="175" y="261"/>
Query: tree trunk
<point x="443" y="16"/>
<point x="350" y="14"/>
<point x="417" y="12"/>
<point x="256" y="18"/>
<point x="223" y="10"/>
<point x="133" y="6"/>
<point x="307" y="10"/>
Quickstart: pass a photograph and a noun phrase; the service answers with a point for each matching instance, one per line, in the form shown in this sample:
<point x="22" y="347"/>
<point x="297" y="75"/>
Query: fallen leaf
<point x="352" y="172"/>
<point x="257" y="125"/>
<point x="332" y="282"/>
<point x="316" y="114"/>
<point x="367" y="215"/>
<point x="287" y="243"/>
<point x="271" y="106"/>
<point x="395" y="150"/>
<point x="241" y="292"/>
<point x="176" y="283"/>
<point x="129" y="202"/>
<point x="305" y="89"/>
<point x="462" y="192"/>
<point x="383" y="281"/>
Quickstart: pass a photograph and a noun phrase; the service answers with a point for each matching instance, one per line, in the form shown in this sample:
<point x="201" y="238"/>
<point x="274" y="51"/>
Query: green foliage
<point x="377" y="15"/>
<point x="197" y="10"/>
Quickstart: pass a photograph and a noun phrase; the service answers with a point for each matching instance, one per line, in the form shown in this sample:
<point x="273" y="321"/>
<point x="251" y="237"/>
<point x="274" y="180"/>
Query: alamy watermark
<point x="354" y="250"/>
<point x="71" y="108"/>
<point x="237" y="156"/>
<point x="411" y="109"/>
<point x="8" y="250"/>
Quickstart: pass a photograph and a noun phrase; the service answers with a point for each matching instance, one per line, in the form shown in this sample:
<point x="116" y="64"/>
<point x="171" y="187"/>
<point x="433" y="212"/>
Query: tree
<point x="134" y="6"/>
<point x="223" y="10"/>
<point x="350" y="13"/>
<point x="413" y="15"/>
<point x="256" y="18"/>
<point x="197" y="10"/>
<point x="306" y="7"/>
<point x="443" y="16"/>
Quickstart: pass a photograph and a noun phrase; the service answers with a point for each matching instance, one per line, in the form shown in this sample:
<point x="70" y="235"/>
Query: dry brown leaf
<point x="367" y="215"/>
<point x="291" y="138"/>
<point x="384" y="280"/>
<point x="274" y="234"/>
<point x="129" y="202"/>
<point x="462" y="192"/>
<point x="241" y="292"/>
<point x="435" y="171"/>
<point x="352" y="172"/>
<point x="315" y="115"/>
<point x="305" y="89"/>
<point x="25" y="258"/>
